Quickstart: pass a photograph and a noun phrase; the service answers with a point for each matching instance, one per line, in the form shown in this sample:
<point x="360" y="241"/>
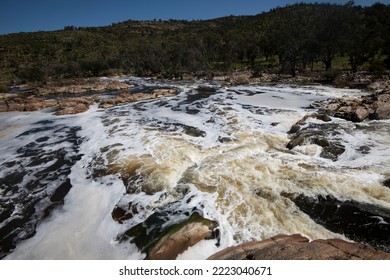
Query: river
<point x="218" y="150"/>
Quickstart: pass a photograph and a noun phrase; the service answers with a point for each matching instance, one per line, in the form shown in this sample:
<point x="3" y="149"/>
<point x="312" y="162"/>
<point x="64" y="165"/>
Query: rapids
<point x="219" y="150"/>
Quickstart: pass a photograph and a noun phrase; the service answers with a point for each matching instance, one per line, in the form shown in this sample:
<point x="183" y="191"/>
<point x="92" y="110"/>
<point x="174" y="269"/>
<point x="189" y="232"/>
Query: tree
<point x="358" y="43"/>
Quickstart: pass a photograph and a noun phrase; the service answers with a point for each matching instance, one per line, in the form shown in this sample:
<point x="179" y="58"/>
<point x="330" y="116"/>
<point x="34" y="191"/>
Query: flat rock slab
<point x="297" y="247"/>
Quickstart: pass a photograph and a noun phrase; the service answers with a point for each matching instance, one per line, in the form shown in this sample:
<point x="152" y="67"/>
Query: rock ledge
<point x="297" y="247"/>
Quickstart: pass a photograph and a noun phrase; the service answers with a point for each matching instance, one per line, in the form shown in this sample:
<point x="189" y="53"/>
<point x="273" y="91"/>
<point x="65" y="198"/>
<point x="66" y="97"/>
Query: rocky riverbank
<point x="75" y="98"/>
<point x="76" y="95"/>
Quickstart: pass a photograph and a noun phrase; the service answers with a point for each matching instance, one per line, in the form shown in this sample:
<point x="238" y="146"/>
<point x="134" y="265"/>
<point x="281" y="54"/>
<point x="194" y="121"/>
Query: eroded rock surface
<point x="297" y="247"/>
<point x="162" y="242"/>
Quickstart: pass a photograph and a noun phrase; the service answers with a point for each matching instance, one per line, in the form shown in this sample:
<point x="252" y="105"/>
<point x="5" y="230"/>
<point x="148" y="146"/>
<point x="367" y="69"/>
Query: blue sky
<point x="34" y="15"/>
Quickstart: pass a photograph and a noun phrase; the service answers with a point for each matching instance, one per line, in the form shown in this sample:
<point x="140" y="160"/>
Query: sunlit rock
<point x="297" y="247"/>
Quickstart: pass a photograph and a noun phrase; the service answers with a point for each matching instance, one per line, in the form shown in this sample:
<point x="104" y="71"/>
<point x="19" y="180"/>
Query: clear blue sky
<point x="33" y="15"/>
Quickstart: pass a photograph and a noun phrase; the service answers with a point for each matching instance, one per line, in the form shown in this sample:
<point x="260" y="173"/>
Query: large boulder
<point x="297" y="247"/>
<point x="180" y="237"/>
<point x="161" y="242"/>
<point x="383" y="107"/>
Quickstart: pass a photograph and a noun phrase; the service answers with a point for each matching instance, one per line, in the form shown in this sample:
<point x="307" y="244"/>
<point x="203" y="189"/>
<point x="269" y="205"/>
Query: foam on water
<point x="226" y="148"/>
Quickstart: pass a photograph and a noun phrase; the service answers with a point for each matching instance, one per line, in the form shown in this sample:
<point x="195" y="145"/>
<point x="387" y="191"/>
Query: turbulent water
<point x="221" y="151"/>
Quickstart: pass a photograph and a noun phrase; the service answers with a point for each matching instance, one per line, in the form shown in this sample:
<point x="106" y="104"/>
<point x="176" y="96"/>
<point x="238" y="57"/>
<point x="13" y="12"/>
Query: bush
<point x="331" y="75"/>
<point x="31" y="73"/>
<point x="377" y="66"/>
<point x="4" y="88"/>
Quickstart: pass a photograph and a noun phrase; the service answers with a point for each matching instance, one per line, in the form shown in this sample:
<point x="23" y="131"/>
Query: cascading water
<point x="221" y="151"/>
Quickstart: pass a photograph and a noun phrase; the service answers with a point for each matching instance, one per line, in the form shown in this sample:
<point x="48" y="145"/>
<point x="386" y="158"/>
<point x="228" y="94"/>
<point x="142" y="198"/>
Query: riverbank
<point x="72" y="96"/>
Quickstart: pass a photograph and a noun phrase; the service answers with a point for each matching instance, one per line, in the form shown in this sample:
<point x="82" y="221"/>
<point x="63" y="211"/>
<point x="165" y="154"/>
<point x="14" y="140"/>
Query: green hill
<point x="300" y="37"/>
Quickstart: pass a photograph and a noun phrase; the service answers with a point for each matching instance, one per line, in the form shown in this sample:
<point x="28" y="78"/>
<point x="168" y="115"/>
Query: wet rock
<point x="364" y="150"/>
<point x="161" y="239"/>
<point x="316" y="134"/>
<point x="121" y="214"/>
<point x="332" y="150"/>
<point x="62" y="190"/>
<point x="386" y="183"/>
<point x="296" y="141"/>
<point x="297" y="247"/>
<point x="294" y="129"/>
<point x="193" y="131"/>
<point x="361" y="222"/>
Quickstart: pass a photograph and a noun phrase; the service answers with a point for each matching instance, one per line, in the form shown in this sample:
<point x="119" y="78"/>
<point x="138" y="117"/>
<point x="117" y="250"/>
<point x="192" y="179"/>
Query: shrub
<point x="377" y="66"/>
<point x="331" y="75"/>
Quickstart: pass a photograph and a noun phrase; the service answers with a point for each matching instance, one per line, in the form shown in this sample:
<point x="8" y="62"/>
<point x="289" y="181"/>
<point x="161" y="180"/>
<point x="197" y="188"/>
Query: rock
<point x="384" y="98"/>
<point x="3" y="106"/>
<point x="333" y="107"/>
<point x="163" y="93"/>
<point x="375" y="106"/>
<point x="322" y="142"/>
<point x="241" y="78"/>
<point x="116" y="85"/>
<point x="294" y="129"/>
<point x="332" y="151"/>
<point x="358" y="221"/>
<point x="383" y="111"/>
<point x="120" y="214"/>
<point x="73" y="105"/>
<point x="323" y="117"/>
<point x="386" y="183"/>
<point x="35" y="104"/>
<point x="126" y="97"/>
<point x="317" y="134"/>
<point x="162" y="242"/>
<point x="296" y="141"/>
<point x="15" y="105"/>
<point x="297" y="247"/>
<point x="360" y="114"/>
<point x="180" y="237"/>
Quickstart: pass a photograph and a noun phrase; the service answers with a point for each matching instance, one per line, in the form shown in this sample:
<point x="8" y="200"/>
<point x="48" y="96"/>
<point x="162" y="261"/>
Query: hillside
<point x="300" y="37"/>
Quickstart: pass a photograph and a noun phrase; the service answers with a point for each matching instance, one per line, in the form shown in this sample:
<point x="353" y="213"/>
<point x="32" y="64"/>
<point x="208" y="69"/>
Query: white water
<point x="238" y="183"/>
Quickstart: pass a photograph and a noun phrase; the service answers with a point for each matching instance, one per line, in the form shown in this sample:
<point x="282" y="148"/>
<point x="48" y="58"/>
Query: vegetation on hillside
<point x="300" y="37"/>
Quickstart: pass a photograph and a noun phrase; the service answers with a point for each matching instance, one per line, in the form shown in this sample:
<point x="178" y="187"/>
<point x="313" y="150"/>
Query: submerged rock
<point x="297" y="247"/>
<point x="386" y="183"/>
<point x="165" y="242"/>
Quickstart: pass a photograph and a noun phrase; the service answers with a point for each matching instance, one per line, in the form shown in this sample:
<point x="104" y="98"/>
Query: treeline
<point x="300" y="37"/>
